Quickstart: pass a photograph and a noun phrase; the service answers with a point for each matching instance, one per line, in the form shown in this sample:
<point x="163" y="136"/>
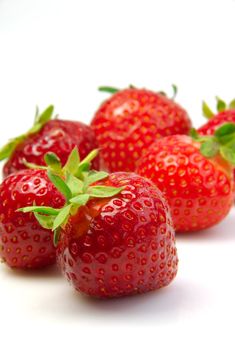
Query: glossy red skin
<point x="58" y="136"/>
<point x="130" y="121"/>
<point x="121" y="245"/>
<point x="199" y="190"/>
<point x="218" y="120"/>
<point x="23" y="242"/>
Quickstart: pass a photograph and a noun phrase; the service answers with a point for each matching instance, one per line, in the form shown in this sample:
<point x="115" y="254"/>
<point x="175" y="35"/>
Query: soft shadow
<point x="159" y="306"/>
<point x="45" y="273"/>
<point x="224" y="231"/>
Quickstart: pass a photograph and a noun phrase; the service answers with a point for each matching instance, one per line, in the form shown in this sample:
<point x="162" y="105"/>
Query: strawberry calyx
<point x="222" y="143"/>
<point x="113" y="90"/>
<point x="76" y="182"/>
<point x="39" y="121"/>
<point x="221" y="106"/>
<point x="109" y="89"/>
<point x="175" y="91"/>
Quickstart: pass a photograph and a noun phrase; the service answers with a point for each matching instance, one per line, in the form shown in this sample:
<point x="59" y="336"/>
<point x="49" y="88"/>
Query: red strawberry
<point x="58" y="136"/>
<point x="23" y="242"/>
<point x="120" y="246"/>
<point x="117" y="236"/>
<point x="196" y="179"/>
<point x="226" y="114"/>
<point x="130" y="121"/>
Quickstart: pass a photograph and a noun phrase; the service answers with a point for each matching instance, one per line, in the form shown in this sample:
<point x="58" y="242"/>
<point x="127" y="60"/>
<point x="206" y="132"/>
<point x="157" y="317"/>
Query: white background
<point x="54" y="51"/>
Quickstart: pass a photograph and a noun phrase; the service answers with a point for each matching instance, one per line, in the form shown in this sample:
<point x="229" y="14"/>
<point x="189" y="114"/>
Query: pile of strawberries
<point x="105" y="200"/>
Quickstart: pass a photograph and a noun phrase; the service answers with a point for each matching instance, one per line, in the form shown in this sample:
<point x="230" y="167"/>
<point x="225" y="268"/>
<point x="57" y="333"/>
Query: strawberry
<point x="131" y="120"/>
<point x="225" y="114"/>
<point x="115" y="235"/>
<point x="23" y="242"/>
<point x="195" y="174"/>
<point x="46" y="135"/>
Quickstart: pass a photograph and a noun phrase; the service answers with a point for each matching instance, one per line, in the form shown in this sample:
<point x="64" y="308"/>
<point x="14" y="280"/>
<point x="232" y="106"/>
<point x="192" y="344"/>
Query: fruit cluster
<point x="109" y="217"/>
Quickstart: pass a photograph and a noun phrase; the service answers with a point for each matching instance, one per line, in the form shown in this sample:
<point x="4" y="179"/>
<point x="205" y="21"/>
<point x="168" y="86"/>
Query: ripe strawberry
<point x="225" y="114"/>
<point x="116" y="236"/>
<point x="23" y="242"/>
<point x="58" y="136"/>
<point x="196" y="179"/>
<point x="130" y="121"/>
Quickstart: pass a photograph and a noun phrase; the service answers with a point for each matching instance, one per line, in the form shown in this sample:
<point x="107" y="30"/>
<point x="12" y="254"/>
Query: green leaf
<point x="225" y="129"/>
<point x="75" y="185"/>
<point x="60" y="184"/>
<point x="84" y="165"/>
<point x="56" y="236"/>
<point x="39" y="209"/>
<point x="8" y="149"/>
<point x="46" y="115"/>
<point x="36" y="114"/>
<point x="41" y="119"/>
<point x="221" y="105"/>
<point x="197" y="137"/>
<point x="46" y="221"/>
<point x="175" y="90"/>
<point x="35" y="128"/>
<point x="224" y="140"/>
<point x="162" y="93"/>
<point x="62" y="217"/>
<point x="90" y="156"/>
<point x="80" y="200"/>
<point x="207" y="112"/>
<point x="73" y="161"/>
<point x="33" y="166"/>
<point x="94" y="176"/>
<point x="232" y="104"/>
<point x="209" y="148"/>
<point x="82" y="170"/>
<point x="228" y="153"/>
<point x="109" y="89"/>
<point x="194" y="134"/>
<point x="53" y="162"/>
<point x="104" y="191"/>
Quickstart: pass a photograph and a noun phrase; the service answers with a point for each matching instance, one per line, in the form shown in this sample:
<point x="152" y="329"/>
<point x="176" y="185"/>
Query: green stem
<point x="109" y="89"/>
